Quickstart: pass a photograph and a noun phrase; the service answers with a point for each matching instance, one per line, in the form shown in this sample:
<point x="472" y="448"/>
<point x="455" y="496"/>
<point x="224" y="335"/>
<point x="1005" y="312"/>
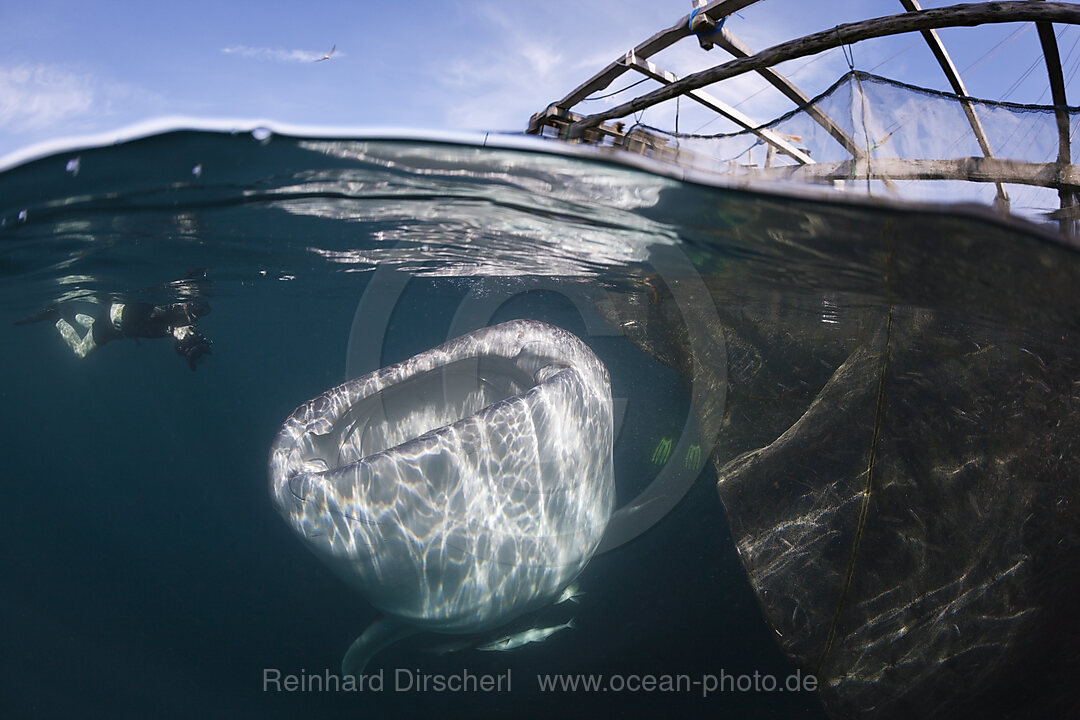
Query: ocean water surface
<point x="146" y="572"/>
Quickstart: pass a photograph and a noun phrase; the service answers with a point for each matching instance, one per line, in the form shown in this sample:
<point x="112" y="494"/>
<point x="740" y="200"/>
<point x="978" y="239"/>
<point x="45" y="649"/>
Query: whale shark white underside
<point x="458" y="489"/>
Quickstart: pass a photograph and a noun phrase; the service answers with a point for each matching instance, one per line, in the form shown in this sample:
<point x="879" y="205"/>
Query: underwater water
<point x="146" y="571"/>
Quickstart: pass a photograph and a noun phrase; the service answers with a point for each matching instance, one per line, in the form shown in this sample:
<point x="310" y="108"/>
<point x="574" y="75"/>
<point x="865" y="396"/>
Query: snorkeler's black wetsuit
<point x="143" y="320"/>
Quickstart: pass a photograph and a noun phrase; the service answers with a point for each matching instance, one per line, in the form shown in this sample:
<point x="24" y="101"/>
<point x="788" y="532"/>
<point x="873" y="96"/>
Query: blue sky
<point x="74" y="68"/>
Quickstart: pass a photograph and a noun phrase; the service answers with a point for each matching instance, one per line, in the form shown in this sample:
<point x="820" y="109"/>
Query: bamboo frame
<point x="965" y="15"/>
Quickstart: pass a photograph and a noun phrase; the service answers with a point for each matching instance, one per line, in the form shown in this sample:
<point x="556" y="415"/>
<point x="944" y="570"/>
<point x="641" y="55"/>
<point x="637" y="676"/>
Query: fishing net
<point x="875" y="135"/>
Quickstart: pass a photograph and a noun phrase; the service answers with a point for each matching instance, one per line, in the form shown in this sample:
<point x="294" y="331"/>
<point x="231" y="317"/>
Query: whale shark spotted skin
<point x="458" y="489"/>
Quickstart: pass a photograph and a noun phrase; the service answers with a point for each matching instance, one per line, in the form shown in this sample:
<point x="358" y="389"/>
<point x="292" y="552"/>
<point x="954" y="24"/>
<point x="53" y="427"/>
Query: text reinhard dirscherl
<point x="409" y="680"/>
<point x="403" y="680"/>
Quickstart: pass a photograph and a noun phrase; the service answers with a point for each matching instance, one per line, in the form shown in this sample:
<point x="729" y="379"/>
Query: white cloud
<point x="33" y="97"/>
<point x="522" y="66"/>
<point x="519" y="68"/>
<point x="279" y="55"/>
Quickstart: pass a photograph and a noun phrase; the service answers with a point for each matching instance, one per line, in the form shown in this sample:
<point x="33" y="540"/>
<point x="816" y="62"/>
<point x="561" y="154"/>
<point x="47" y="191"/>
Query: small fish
<point x="524" y="638"/>
<point x="570" y="593"/>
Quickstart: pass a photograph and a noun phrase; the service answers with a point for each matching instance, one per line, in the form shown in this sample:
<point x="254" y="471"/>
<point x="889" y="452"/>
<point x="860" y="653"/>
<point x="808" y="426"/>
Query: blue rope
<point x="690" y="21"/>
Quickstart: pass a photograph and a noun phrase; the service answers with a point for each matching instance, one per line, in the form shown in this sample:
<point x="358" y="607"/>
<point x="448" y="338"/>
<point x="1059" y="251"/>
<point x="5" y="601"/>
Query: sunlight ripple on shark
<point x="459" y="489"/>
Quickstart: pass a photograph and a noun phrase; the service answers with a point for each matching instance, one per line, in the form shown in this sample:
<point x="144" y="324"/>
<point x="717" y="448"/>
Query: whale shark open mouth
<point x="461" y="487"/>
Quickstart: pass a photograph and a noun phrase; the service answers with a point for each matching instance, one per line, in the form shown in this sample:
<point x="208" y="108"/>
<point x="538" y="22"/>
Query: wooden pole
<point x="1066" y="195"/>
<point x="970" y="169"/>
<point x="733" y="45"/>
<point x="774" y="140"/>
<point x="665" y="38"/>
<point x="937" y="47"/>
<point x="964" y="15"/>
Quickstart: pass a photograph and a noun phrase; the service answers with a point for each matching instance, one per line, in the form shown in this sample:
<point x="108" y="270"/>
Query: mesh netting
<point x="877" y="135"/>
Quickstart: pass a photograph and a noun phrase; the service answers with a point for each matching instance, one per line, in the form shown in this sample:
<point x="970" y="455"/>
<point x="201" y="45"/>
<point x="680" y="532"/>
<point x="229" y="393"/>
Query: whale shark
<point x="458" y="489"/>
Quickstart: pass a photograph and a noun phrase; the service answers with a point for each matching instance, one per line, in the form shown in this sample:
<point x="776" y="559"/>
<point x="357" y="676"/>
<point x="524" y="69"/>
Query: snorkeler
<point x="117" y="319"/>
<point x="140" y="320"/>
